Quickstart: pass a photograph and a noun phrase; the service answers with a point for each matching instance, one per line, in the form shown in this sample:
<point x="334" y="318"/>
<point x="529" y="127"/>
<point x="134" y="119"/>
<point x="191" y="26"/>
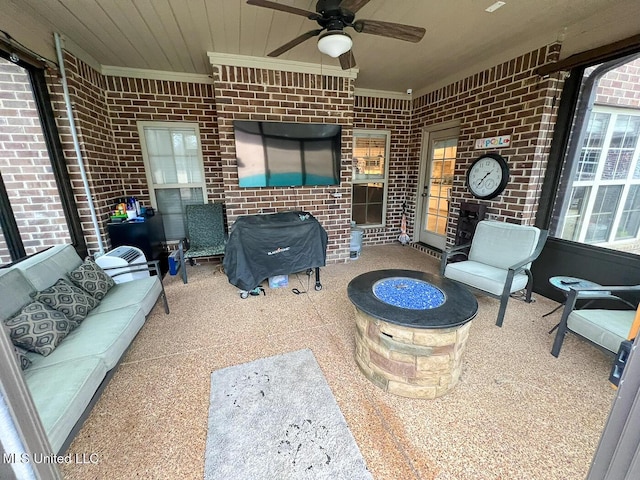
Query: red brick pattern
<point x="26" y="168"/>
<point x="107" y="110"/>
<point x="394" y="115"/>
<point x="620" y="87"/>
<point x="131" y="100"/>
<point x="268" y="95"/>
<point x="93" y="126"/>
<point x="507" y="99"/>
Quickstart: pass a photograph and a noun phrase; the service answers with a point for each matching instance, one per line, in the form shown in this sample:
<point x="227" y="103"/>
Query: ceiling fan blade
<point x="296" y="41"/>
<point x="285" y="8"/>
<point x="387" y="29"/>
<point x="353" y="5"/>
<point x="347" y="60"/>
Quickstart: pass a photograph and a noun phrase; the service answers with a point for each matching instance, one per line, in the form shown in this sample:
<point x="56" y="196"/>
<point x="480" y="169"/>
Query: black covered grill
<point x="261" y="246"/>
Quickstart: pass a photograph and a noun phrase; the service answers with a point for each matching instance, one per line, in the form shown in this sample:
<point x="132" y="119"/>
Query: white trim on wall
<point x="276" y="64"/>
<point x="77" y="51"/>
<point x="367" y="92"/>
<point x="115" y="71"/>
<point x="110" y="70"/>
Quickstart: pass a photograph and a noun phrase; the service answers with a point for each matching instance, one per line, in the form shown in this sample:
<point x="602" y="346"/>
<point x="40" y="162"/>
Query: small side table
<point x="564" y="284"/>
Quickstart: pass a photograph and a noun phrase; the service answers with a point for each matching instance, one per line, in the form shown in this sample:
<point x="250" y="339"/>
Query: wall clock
<point x="488" y="176"/>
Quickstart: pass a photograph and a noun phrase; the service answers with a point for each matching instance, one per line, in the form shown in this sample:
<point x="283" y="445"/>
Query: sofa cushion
<point x="92" y="279"/>
<point x="38" y="328"/>
<point x="104" y="335"/>
<point x="141" y="291"/>
<point x="74" y="302"/>
<point x="16" y="292"/>
<point x="484" y="277"/>
<point x="45" y="268"/>
<point x="607" y="328"/>
<point x="21" y="355"/>
<point x="61" y="392"/>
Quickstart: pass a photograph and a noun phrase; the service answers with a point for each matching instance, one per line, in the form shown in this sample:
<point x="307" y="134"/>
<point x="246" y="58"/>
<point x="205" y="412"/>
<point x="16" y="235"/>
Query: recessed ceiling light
<point x="494" y="7"/>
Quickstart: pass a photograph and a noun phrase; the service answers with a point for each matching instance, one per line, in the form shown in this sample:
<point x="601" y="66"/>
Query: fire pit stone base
<point x="409" y="362"/>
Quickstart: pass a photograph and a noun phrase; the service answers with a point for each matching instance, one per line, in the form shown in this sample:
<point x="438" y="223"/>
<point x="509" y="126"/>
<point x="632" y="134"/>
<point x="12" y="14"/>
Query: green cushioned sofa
<point x="66" y="384"/>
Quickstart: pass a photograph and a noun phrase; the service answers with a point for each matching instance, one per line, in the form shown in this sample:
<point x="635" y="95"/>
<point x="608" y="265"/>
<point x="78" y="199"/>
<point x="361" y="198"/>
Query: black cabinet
<point x="470" y="215"/>
<point x="148" y="236"/>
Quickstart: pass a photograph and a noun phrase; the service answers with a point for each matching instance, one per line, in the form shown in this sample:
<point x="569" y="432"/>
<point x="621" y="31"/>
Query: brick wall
<point x="258" y="94"/>
<point x="131" y="100"/>
<point x="620" y="87"/>
<point x="507" y="99"/>
<point x="96" y="142"/>
<point x="25" y="166"/>
<point x="106" y="112"/>
<point x="393" y="115"/>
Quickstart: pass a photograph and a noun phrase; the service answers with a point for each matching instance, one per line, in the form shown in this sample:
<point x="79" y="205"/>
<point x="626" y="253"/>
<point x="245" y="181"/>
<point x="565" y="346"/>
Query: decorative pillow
<point x="92" y="279"/>
<point x="38" y="328"/>
<point x="74" y="302"/>
<point x="23" y="360"/>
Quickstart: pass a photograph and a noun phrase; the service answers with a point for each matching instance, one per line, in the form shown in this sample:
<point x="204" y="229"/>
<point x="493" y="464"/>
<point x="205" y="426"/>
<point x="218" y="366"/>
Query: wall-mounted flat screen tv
<point x="279" y="154"/>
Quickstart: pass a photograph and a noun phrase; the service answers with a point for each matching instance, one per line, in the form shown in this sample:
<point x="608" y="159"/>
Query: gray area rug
<point x="276" y="418"/>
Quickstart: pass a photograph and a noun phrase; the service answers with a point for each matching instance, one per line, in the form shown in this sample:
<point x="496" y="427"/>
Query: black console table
<point x="148" y="236"/>
<point x="262" y="246"/>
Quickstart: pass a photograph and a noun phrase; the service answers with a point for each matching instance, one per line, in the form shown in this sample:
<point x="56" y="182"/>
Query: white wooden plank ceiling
<point x="461" y="38"/>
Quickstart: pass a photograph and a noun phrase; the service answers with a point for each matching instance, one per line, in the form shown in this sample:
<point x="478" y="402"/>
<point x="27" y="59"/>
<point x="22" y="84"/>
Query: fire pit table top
<point x="413" y="299"/>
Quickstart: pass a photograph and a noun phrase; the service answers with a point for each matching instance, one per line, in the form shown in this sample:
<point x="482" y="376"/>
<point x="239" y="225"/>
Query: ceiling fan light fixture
<point x="334" y="43"/>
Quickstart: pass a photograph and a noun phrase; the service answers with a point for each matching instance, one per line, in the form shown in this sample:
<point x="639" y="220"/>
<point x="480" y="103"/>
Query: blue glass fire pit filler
<point x="408" y="293"/>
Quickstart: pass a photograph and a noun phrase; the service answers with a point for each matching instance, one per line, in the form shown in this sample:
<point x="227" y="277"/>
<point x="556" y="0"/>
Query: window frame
<point x="151" y="185"/>
<point x="58" y="162"/>
<point x="577" y="110"/>
<point x="365" y="132"/>
<point x="597" y="182"/>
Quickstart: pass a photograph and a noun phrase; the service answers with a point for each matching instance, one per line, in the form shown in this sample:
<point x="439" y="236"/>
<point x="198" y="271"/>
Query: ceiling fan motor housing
<point x="333" y="17"/>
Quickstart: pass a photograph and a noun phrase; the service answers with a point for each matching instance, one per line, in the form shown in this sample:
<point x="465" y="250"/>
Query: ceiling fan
<point x="333" y="16"/>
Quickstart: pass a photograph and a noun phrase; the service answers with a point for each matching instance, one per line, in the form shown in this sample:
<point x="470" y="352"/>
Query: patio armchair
<point x="603" y="328"/>
<point x="498" y="263"/>
<point x="206" y="234"/>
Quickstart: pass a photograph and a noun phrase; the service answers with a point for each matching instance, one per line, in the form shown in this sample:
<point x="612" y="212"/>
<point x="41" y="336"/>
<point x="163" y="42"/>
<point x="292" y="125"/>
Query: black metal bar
<point x="58" y="163"/>
<point x="9" y="226"/>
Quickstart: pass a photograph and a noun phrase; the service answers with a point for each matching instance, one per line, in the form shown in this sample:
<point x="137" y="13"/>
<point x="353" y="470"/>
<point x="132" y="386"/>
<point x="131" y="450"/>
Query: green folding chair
<point x="206" y="234"/>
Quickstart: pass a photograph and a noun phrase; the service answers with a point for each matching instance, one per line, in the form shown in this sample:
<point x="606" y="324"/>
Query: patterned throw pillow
<point x="74" y="302"/>
<point x="92" y="279"/>
<point x="23" y="360"/>
<point x="38" y="328"/>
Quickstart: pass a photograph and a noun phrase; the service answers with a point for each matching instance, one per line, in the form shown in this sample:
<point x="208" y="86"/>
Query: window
<point x="370" y="177"/>
<point x="599" y="196"/>
<point x="175" y="172"/>
<point x="37" y="209"/>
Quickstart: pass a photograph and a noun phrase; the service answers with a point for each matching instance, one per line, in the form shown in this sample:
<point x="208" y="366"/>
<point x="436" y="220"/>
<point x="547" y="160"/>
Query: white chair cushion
<point x="502" y="244"/>
<point x="484" y="277"/>
<point x="607" y="328"/>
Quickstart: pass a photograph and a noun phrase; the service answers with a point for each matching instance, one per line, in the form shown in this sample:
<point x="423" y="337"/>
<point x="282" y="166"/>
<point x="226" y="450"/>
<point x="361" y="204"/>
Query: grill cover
<point x="261" y="246"/>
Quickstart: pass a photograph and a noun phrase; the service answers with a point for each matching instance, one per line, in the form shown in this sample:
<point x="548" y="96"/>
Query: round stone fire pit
<point x="412" y="329"/>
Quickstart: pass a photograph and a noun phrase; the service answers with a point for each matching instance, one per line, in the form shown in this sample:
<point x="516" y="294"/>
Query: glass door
<point x="436" y="191"/>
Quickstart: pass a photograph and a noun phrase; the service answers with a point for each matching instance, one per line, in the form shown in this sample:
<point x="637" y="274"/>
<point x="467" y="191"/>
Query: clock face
<point x="488" y="176"/>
